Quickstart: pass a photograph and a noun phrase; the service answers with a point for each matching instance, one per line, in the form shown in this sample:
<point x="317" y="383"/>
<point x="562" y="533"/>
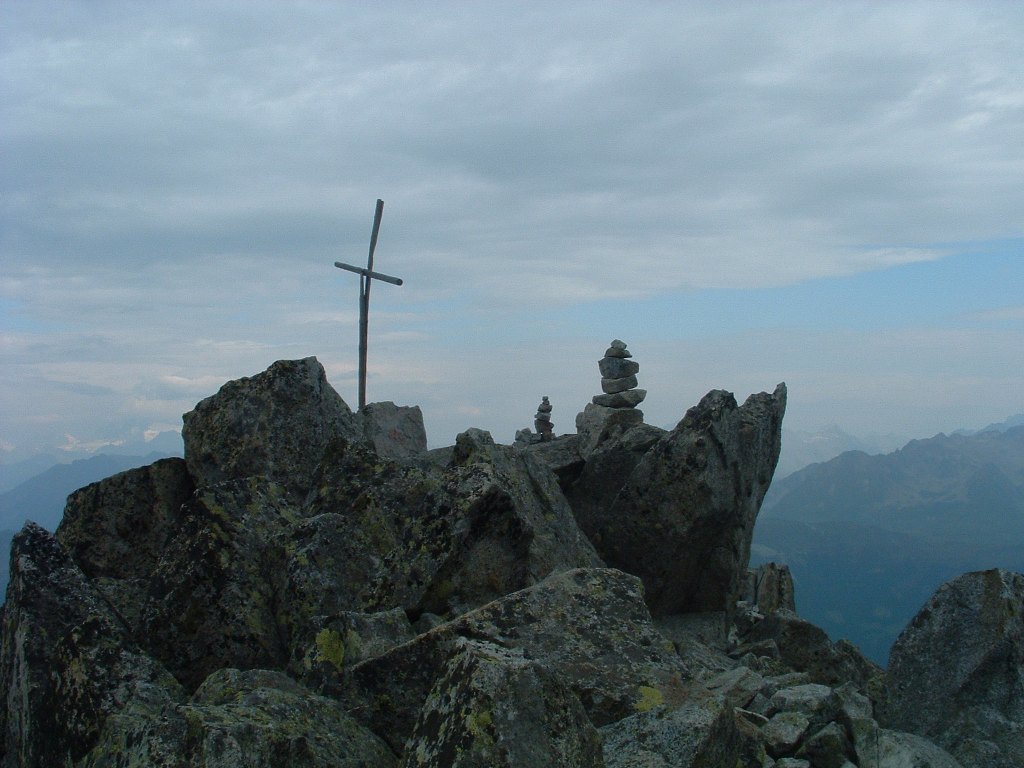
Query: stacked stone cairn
<point x="542" y="421"/>
<point x="618" y="378"/>
<point x="615" y="410"/>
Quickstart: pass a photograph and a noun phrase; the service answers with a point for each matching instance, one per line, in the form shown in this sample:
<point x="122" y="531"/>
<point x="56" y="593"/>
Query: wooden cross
<point x="364" y="298"/>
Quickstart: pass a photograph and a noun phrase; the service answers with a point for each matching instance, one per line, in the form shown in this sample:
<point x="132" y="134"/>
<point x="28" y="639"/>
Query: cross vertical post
<point x="365" y="276"/>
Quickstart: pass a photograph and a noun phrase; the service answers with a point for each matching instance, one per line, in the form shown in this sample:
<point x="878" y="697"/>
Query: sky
<point x="826" y="194"/>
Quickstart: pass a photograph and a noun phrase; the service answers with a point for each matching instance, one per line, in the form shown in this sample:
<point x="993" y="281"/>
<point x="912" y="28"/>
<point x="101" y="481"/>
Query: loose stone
<point x="611" y="386"/>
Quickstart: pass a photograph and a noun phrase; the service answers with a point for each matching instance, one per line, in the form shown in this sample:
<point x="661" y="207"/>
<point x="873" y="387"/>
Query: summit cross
<point x="365" y="276"/>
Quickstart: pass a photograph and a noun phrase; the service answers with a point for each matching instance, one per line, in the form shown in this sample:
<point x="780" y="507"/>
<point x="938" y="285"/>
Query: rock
<point x="542" y="421"/>
<point x="617" y="368"/>
<point x="561" y="455"/>
<point x="613" y="386"/>
<point x="332" y="643"/>
<point x="631" y="398"/>
<point x="116" y="530"/>
<point x="617" y="349"/>
<point x="806" y="648"/>
<point x="770" y="589"/>
<point x="784" y="732"/>
<point x="882" y="748"/>
<point x="737" y="686"/>
<point x="956" y="673"/>
<point x="275" y="424"/>
<point x="597" y="425"/>
<point x="828" y="748"/>
<point x="252" y="718"/>
<point x="701" y="731"/>
<point x="215" y="594"/>
<point x="395" y="432"/>
<point x="587" y="627"/>
<point x="67" y="662"/>
<point x="119" y="526"/>
<point x="818" y="702"/>
<point x="684" y="518"/>
<point x="493" y="707"/>
<point x="610" y="463"/>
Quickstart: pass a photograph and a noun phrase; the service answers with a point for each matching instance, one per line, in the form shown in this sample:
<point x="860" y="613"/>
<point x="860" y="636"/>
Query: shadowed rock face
<point x="956" y="673"/>
<point x="683" y="518"/>
<point x="67" y="661"/>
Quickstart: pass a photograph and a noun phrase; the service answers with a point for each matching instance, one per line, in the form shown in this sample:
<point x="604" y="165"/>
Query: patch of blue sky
<point x="958" y="288"/>
<point x="16" y="318"/>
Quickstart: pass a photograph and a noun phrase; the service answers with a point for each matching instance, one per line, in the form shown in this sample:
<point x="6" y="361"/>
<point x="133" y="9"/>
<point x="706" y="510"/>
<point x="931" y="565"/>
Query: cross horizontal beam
<point x="369" y="273"/>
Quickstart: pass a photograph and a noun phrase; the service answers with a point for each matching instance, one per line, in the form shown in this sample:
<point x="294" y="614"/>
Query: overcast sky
<point x="827" y="194"/>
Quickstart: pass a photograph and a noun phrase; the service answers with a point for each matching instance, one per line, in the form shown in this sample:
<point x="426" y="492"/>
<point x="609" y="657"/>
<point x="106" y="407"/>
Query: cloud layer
<point x="179" y="178"/>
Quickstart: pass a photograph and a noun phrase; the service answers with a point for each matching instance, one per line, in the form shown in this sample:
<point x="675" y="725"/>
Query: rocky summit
<point x="312" y="586"/>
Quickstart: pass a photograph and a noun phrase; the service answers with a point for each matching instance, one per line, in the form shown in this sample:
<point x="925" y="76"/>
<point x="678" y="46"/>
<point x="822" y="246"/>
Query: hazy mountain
<point x="799" y="449"/>
<point x="13" y="473"/>
<point x="869" y="537"/>
<point x="17" y="472"/>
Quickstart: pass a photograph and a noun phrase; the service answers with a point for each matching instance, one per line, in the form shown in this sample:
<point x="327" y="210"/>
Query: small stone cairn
<point x="542" y="421"/>
<point x="618" y="378"/>
<point x="615" y="410"/>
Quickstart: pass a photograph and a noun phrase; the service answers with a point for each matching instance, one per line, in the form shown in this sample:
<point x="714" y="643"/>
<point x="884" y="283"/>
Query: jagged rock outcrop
<point x="956" y="673"/>
<point x="684" y="516"/>
<point x="275" y="424"/>
<point x="769" y="588"/>
<point x="117" y="530"/>
<point x="312" y="587"/>
<point x="67" y="661"/>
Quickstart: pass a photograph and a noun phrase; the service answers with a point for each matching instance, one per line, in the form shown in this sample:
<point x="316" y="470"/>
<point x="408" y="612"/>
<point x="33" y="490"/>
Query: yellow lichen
<point x="649" y="698"/>
<point x="330" y="647"/>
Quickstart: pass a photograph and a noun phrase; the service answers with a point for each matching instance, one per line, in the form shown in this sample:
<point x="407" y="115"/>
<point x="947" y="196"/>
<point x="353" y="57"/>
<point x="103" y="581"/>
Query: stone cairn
<point x="615" y="410"/>
<point x="618" y="378"/>
<point x="542" y="421"/>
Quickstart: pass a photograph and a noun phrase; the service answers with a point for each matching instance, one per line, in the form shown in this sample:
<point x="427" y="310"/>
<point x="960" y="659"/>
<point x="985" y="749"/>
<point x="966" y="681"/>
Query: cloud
<point x="180" y="177"/>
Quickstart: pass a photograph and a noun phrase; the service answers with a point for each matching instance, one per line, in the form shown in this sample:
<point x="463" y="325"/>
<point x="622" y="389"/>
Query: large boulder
<point x="493" y="707"/>
<point x="805" y="647"/>
<point x="117" y="530"/>
<point x="956" y="673"/>
<point x="395" y="431"/>
<point x="684" y="517"/>
<point x="380" y="534"/>
<point x="215" y="596"/>
<point x="252" y="718"/>
<point x="587" y="627"/>
<point x="67" y="662"/>
<point x="700" y="731"/>
<point x="275" y="424"/>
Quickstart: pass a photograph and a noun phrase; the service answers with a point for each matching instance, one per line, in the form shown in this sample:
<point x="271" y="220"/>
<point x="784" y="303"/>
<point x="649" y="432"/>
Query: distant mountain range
<point x="869" y="538"/>
<point x="13" y="473"/>
<point x="799" y="449"/>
